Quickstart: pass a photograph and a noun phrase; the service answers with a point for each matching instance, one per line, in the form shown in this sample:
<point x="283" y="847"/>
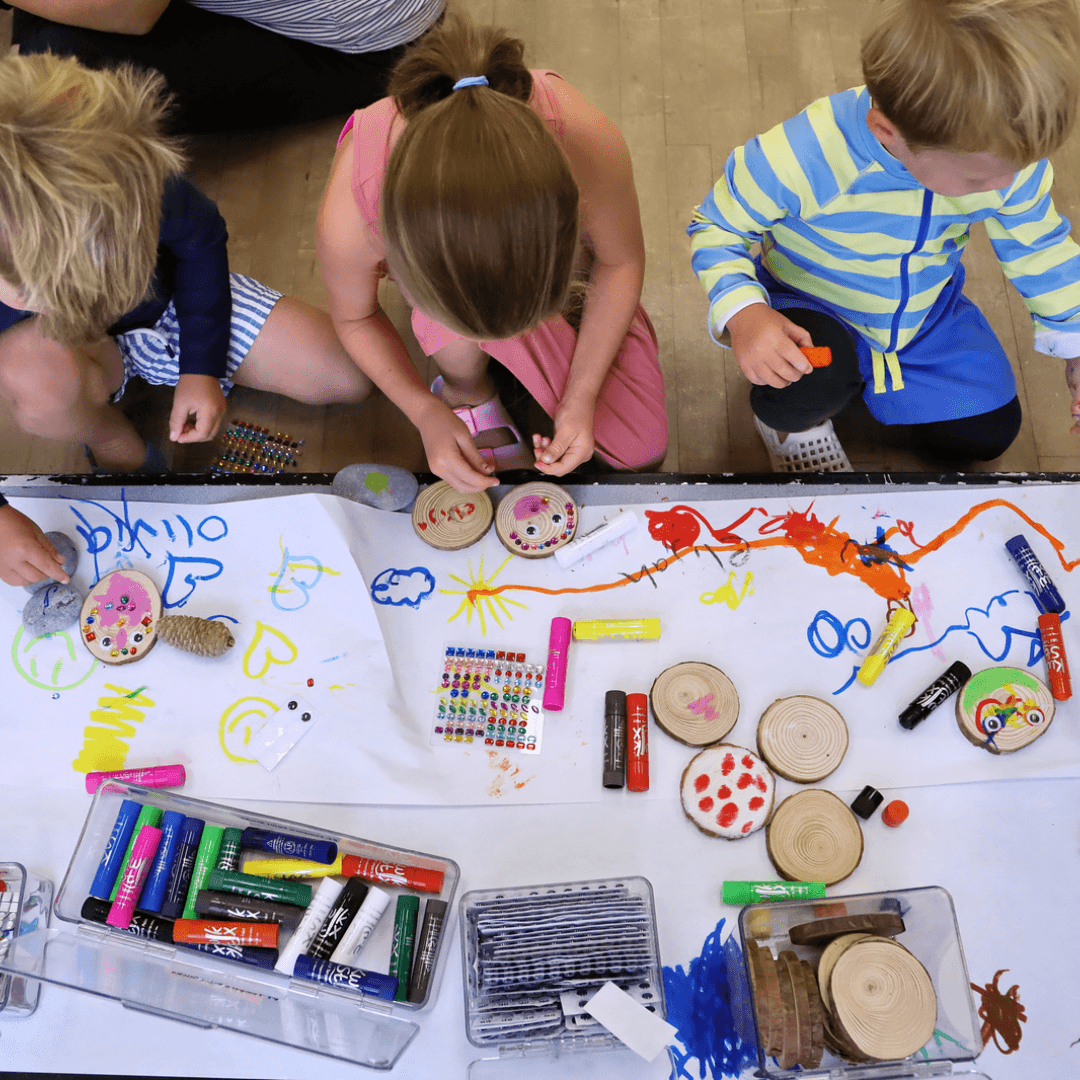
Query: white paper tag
<point x="643" y="1031"/>
<point x="282" y="732"/>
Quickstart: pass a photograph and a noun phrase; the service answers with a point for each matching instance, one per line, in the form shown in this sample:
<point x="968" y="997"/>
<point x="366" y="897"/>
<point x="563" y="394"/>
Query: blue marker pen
<point x="299" y="847"/>
<point x="176" y="889"/>
<point x="1046" y="594"/>
<point x="154" y="890"/>
<point x="242" y="954"/>
<point x="115" y="850"/>
<point x="371" y="983"/>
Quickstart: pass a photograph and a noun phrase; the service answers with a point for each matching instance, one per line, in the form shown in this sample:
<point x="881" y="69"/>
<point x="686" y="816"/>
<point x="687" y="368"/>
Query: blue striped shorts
<point x="153" y="353"/>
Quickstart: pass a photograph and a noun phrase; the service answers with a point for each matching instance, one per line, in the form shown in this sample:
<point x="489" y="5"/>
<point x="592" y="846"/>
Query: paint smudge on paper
<point x="481" y="593"/>
<point x="923" y="607"/>
<point x="104" y="748"/>
<point x="508" y="773"/>
<point x="1001" y="1014"/>
<point x="726" y="594"/>
<point x="398" y="588"/>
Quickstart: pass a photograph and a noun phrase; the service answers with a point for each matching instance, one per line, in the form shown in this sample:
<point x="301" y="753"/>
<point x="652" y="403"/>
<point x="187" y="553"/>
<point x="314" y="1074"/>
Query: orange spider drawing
<point x="1001" y="1013"/>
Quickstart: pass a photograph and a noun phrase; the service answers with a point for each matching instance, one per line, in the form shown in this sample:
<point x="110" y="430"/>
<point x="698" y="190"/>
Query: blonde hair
<point x="998" y="76"/>
<point x="479" y="207"/>
<point x="83" y="165"/>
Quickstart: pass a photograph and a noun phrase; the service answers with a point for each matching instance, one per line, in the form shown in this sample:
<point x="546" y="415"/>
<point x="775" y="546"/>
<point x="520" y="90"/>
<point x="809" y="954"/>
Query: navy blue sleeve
<point x="3" y="501"/>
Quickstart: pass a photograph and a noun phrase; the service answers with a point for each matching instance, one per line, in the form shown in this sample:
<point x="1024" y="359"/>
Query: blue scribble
<point x="187" y="527"/>
<point x="229" y="617"/>
<point x="292" y="563"/>
<point x="851" y="679"/>
<point x="398" y="587"/>
<point x="190" y="578"/>
<point x="710" y="1007"/>
<point x="168" y="529"/>
<point x="842" y="632"/>
<point x="202" y="526"/>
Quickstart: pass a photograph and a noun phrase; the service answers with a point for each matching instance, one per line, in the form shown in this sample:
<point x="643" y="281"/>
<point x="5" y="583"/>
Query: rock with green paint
<point x="1004" y="709"/>
<point x="385" y="487"/>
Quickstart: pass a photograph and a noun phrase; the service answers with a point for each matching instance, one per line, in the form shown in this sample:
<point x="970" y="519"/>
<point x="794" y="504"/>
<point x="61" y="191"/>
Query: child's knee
<point x="39" y="376"/>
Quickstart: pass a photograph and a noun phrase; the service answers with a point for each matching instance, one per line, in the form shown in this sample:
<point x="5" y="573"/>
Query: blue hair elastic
<point x="472" y="80"/>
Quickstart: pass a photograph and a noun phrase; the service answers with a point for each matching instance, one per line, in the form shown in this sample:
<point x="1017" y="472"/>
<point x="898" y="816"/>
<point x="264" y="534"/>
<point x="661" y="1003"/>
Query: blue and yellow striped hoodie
<point x="839" y="218"/>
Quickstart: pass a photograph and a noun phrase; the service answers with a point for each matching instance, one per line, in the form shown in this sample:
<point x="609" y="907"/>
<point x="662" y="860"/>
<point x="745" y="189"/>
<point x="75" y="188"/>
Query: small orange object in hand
<point x="818" y="356"/>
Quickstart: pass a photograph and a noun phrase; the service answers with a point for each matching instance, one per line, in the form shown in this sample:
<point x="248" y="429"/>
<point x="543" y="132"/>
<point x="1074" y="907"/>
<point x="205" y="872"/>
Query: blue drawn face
<point x="398" y="588"/>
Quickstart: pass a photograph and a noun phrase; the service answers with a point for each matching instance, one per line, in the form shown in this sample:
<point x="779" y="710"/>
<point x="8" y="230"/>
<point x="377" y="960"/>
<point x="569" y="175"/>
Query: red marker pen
<point x="637" y="742"/>
<point x="419" y="878"/>
<point x="1057" y="663"/>
<point x="196" y="931"/>
<point x="555" y="675"/>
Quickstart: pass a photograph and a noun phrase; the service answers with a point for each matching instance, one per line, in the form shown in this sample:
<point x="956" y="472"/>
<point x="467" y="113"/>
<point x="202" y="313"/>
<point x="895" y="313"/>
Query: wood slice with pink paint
<point x="802" y="738"/>
<point x="120" y="616"/>
<point x="1004" y="709"/>
<point x="447" y="520"/>
<point x="727" y="792"/>
<point x="536" y="519"/>
<point x="814" y="836"/>
<point x="695" y="703"/>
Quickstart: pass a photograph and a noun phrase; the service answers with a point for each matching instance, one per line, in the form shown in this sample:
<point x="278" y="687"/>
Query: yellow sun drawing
<point x="477" y="596"/>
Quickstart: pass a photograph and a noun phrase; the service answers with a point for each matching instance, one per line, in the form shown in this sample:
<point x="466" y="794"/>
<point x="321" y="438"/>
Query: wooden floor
<point x="687" y="81"/>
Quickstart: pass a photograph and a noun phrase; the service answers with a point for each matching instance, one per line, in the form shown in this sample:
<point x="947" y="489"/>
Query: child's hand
<point x="1072" y="377"/>
<point x="766" y="346"/>
<point x="26" y="553"/>
<point x="573" y="442"/>
<point x="451" y="452"/>
<point x="197" y="396"/>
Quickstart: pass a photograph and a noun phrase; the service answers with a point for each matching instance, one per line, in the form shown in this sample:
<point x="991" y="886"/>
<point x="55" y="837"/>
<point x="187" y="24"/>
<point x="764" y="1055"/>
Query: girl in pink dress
<point x="486" y="189"/>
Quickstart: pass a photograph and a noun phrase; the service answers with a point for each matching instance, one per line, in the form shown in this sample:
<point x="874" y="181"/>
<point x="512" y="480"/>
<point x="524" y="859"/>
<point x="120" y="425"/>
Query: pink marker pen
<point x="156" y="776"/>
<point x="555" y="676"/>
<point x="127" y="896"/>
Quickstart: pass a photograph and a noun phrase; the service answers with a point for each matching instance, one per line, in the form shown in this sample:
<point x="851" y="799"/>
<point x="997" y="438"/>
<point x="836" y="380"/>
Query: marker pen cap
<point x="371" y="983"/>
<point x="159" y="776"/>
<point x="557" y="660"/>
<point x="352" y="941"/>
<point x="292" y="892"/>
<point x="637" y="742"/>
<point x="264" y="935"/>
<point x="298" y="847"/>
<point x="242" y="954"/>
<point x="338" y="920"/>
<point x="144" y="926"/>
<point x="294" y="869"/>
<point x="109" y="868"/>
<point x="229" y="852"/>
<point x="134" y="877"/>
<point x="205" y="861"/>
<point x="229" y="906"/>
<point x="148" y="815"/>
<point x="183" y="863"/>
<point x="154" y="892"/>
<point x="420" y="878"/>
<point x="328" y="891"/>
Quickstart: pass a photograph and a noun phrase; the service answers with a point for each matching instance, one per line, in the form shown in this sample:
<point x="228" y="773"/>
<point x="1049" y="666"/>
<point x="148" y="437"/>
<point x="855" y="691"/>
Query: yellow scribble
<point x="236" y="728"/>
<point x="104" y="749"/>
<point x="475" y="601"/>
<point x="726" y="594"/>
<point x="291" y="565"/>
<point x="269" y="658"/>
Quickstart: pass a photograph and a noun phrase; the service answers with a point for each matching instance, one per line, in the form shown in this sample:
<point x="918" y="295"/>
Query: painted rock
<point x="70" y="554"/>
<point x="385" y="487"/>
<point x="727" y="791"/>
<point x="53" y="607"/>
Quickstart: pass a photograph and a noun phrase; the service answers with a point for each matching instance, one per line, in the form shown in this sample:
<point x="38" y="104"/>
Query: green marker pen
<point x="408" y="907"/>
<point x="229" y="855"/>
<point x="754" y="892"/>
<point x="205" y="861"/>
<point x="148" y="815"/>
<point x="290" y="892"/>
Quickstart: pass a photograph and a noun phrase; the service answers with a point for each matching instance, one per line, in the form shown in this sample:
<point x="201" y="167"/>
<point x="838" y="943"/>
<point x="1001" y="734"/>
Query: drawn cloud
<point x="400" y="587"/>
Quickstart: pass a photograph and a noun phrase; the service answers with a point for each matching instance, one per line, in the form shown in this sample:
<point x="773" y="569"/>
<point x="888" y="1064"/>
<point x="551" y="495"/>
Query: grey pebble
<point x="70" y="553"/>
<point x="53" y="607"/>
<point x="385" y="487"/>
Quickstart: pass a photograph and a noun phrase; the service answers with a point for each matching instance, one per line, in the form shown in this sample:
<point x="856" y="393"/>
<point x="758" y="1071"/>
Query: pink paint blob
<point x="528" y="506"/>
<point x="923" y="607"/>
<point x="122" y="605"/>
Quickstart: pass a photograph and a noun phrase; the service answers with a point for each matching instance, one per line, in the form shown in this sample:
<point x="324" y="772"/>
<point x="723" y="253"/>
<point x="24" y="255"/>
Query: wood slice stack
<point x="448" y="520"/>
<point x="695" y="703"/>
<point x="791" y="1018"/>
<point x="802" y="738"/>
<point x="814" y="836"/>
<point x="1004" y="709"/>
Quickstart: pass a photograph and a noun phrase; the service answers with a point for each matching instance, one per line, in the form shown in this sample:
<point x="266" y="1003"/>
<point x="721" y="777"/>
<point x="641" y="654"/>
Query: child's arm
<point x="114" y="16"/>
<point x="26" y="553"/>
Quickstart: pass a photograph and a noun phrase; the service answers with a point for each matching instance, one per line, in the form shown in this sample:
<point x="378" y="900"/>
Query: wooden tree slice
<point x="827" y="961"/>
<point x="758" y="957"/>
<point x="814" y="836"/>
<point x="695" y="703"/>
<point x="536" y="519"/>
<point x="817" y="1017"/>
<point x="789" y="1018"/>
<point x="1003" y="709"/>
<point x="119" y="617"/>
<point x="803" y="1027"/>
<point x="838" y="1042"/>
<point x="802" y="738"/>
<point x="447" y="520"/>
<point x="883" y="999"/>
<point x="821" y="931"/>
<point x="726" y="791"/>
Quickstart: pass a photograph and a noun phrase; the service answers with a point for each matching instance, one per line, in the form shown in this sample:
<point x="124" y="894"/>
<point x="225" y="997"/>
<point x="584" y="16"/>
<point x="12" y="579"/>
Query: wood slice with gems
<point x="814" y="836"/>
<point x="119" y="617"/>
<point x="694" y="703"/>
<point x="1003" y="709"/>
<point x="802" y="738"/>
<point x="726" y="791"/>
<point x="448" y="520"/>
<point x="883" y="999"/>
<point x="536" y="519"/>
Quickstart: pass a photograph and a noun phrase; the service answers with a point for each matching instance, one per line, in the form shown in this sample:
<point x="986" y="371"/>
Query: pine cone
<point x="203" y="637"/>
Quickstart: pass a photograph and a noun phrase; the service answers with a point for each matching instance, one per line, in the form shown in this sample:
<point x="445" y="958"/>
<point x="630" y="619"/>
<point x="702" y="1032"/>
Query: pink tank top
<point x="371" y="129"/>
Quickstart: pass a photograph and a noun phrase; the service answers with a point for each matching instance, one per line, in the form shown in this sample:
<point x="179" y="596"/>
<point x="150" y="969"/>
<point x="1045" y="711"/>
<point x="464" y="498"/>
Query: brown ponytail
<point x="479" y="207"/>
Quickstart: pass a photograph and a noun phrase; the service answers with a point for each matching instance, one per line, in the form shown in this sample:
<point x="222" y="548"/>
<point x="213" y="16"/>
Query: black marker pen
<point x="426" y="949"/>
<point x="614" y="739"/>
<point x="940" y="689"/>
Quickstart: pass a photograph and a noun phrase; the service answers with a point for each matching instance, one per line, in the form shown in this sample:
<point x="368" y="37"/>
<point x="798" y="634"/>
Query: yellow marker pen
<point x="291" y="868"/>
<point x="899" y="624"/>
<point x="602" y="629"/>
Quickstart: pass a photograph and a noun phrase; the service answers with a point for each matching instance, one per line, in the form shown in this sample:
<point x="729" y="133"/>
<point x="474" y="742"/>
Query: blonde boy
<point x="863" y="205"/>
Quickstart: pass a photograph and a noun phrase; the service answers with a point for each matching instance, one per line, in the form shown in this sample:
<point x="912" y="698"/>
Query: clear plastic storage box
<point x="25" y="902"/>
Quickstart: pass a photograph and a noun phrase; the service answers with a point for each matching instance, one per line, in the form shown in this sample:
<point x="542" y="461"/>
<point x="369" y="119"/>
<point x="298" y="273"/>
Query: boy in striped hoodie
<point x="863" y="205"/>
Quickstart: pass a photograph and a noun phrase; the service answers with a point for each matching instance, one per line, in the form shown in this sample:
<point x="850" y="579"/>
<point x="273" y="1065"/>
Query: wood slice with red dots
<point x="119" y="618"/>
<point x="447" y="520"/>
<point x="727" y="791"/>
<point x="536" y="519"/>
<point x="1003" y="709"/>
<point x="814" y="836"/>
<point x="802" y="738"/>
<point x="695" y="703"/>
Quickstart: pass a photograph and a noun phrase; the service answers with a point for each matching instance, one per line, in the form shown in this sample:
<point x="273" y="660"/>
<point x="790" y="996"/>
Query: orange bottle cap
<point x="895" y="813"/>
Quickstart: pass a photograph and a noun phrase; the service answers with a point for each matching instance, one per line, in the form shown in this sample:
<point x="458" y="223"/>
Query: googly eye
<point x="106" y="642"/>
<point x="556" y="519"/>
<point x="991" y="724"/>
<point x="137" y="638"/>
<point x="1035" y="717"/>
<point x="532" y="530"/>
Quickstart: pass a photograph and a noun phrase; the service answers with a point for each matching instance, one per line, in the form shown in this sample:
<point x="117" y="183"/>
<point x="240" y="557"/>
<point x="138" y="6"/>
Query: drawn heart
<point x="268" y="657"/>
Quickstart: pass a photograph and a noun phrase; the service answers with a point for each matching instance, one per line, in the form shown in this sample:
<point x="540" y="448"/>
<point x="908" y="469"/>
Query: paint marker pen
<point x="338" y="920"/>
<point x="621" y="524"/>
<point x="158" y="776"/>
<point x="557" y="659"/>
<point x="408" y="907"/>
<point x="292" y="869"/>
<point x="134" y="877"/>
<point x="149" y="927"/>
<point x="352" y="941"/>
<point x="205" y="861"/>
<point x="1046" y="594"/>
<point x="371" y="983"/>
<point x="623" y="629"/>
<point x="154" y="892"/>
<point x="943" y="687"/>
<point x="614" y="739"/>
<point x="229" y="906"/>
<point x="229" y="853"/>
<point x="232" y="881"/>
<point x="754" y="892"/>
<point x="427" y="948"/>
<point x="325" y="895"/>
<point x="637" y="742"/>
<point x="180" y="872"/>
<point x="264" y="935"/>
<point x="113" y="857"/>
<point x="900" y="623"/>
<point x="1057" y="663"/>
<point x="420" y="878"/>
<point x="251" y="955"/>
<point x="148" y="815"/>
<point x="298" y="847"/>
